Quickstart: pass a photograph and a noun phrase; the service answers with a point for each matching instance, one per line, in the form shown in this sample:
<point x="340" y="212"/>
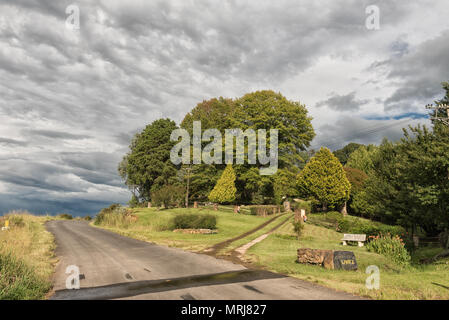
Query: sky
<point x="72" y="98"/>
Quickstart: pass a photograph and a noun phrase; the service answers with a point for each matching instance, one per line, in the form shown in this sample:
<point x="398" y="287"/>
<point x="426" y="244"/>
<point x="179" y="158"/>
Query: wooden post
<point x="195" y="204"/>
<point x="236" y="208"/>
<point x="215" y="206"/>
<point x="149" y="204"/>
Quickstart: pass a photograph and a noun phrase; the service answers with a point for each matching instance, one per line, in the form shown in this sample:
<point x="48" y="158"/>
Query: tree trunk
<point x="324" y="207"/>
<point x="188" y="185"/>
<point x="344" y="210"/>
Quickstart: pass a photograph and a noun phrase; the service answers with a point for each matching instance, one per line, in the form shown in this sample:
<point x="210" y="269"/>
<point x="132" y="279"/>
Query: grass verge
<point x="26" y="257"/>
<point x="155" y="226"/>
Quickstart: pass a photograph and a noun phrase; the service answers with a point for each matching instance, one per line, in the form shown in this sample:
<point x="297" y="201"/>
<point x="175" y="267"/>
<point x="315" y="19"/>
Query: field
<point x="154" y="225"/>
<point x="278" y="253"/>
<point x="26" y="257"/>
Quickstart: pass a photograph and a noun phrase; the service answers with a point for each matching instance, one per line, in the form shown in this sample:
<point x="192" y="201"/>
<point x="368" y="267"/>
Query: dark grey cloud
<point x="72" y="100"/>
<point x="12" y="142"/>
<point x="418" y="73"/>
<point x="56" y="134"/>
<point x="347" y="102"/>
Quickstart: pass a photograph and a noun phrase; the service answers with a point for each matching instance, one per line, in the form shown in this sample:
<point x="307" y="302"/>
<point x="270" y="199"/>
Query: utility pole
<point x="440" y="116"/>
<point x="188" y="185"/>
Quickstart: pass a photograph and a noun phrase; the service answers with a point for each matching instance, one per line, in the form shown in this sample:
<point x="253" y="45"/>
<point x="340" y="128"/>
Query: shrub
<point x="115" y="215"/>
<point x="16" y="221"/>
<point x="357" y="226"/>
<point x="265" y="210"/>
<point x="390" y="246"/>
<point x="168" y="196"/>
<point x="298" y="226"/>
<point x="87" y="218"/>
<point x="194" y="221"/>
<point x="65" y="216"/>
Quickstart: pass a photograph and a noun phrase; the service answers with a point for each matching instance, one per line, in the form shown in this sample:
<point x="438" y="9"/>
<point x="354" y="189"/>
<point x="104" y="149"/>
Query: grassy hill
<point x="417" y="281"/>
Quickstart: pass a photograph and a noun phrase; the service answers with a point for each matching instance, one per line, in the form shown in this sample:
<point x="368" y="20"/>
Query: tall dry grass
<point x="26" y="257"/>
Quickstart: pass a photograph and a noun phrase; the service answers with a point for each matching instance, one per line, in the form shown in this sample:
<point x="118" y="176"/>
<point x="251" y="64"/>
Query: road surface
<point x="116" y="267"/>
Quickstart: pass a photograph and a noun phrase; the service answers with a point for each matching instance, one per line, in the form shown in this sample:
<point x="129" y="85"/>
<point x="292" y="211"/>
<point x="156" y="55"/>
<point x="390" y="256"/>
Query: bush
<point x="298" y="226"/>
<point x="65" y="216"/>
<point x="265" y="210"/>
<point x="15" y="221"/>
<point x="390" y="246"/>
<point x="357" y="226"/>
<point x="87" y="218"/>
<point x="194" y="221"/>
<point x="168" y="196"/>
<point x="115" y="215"/>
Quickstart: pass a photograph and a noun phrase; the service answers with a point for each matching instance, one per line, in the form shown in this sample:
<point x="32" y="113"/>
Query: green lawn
<point x="278" y="253"/>
<point x="152" y="225"/>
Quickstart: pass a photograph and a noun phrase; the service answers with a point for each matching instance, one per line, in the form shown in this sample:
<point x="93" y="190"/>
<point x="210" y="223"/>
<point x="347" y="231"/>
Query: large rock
<point x="315" y="256"/>
<point x="329" y="259"/>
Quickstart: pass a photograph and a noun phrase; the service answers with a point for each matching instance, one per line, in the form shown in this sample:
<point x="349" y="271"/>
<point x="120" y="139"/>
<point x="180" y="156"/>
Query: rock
<point x="196" y="231"/>
<point x="329" y="259"/>
<point x="315" y="256"/>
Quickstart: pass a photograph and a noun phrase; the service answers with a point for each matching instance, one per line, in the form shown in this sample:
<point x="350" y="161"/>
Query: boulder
<point x="328" y="259"/>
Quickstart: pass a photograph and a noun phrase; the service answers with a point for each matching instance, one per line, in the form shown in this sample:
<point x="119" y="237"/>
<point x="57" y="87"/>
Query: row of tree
<point x="147" y="168"/>
<point x="404" y="182"/>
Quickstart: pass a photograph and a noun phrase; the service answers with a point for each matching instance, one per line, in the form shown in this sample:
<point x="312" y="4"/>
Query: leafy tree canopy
<point x="344" y="153"/>
<point x="147" y="166"/>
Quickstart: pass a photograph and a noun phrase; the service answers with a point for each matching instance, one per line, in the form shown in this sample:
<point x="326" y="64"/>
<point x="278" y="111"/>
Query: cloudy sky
<point x="70" y="100"/>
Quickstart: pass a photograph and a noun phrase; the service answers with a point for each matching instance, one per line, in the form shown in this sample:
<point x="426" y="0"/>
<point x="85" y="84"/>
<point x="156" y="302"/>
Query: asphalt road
<point x="116" y="267"/>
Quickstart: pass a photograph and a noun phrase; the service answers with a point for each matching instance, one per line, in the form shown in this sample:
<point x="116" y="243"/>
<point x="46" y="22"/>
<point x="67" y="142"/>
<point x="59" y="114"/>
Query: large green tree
<point x="270" y="110"/>
<point x="324" y="179"/>
<point x="147" y="166"/>
<point x="258" y="110"/>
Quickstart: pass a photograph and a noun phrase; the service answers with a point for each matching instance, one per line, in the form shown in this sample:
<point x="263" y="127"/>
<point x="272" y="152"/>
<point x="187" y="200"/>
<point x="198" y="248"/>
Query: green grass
<point x="278" y="253"/>
<point x="156" y="226"/>
<point x="26" y="258"/>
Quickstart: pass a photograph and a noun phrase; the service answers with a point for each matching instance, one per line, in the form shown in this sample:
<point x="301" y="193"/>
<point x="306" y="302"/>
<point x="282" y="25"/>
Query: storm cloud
<point x="71" y="100"/>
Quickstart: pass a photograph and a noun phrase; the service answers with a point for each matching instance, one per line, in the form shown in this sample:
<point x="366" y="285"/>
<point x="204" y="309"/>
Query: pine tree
<point x="324" y="179"/>
<point x="224" y="191"/>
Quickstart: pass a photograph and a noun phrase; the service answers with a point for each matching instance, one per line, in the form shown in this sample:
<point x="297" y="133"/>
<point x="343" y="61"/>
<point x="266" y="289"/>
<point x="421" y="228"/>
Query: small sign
<point x="345" y="260"/>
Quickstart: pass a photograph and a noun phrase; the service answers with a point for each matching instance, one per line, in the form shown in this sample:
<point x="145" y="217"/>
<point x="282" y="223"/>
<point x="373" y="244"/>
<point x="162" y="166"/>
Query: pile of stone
<point x="196" y="231"/>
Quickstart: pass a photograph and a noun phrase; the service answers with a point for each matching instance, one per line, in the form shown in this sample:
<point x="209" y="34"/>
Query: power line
<point x="362" y="133"/>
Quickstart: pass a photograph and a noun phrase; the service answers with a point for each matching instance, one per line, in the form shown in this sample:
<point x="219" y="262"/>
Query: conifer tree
<point x="224" y="191"/>
<point x="324" y="179"/>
